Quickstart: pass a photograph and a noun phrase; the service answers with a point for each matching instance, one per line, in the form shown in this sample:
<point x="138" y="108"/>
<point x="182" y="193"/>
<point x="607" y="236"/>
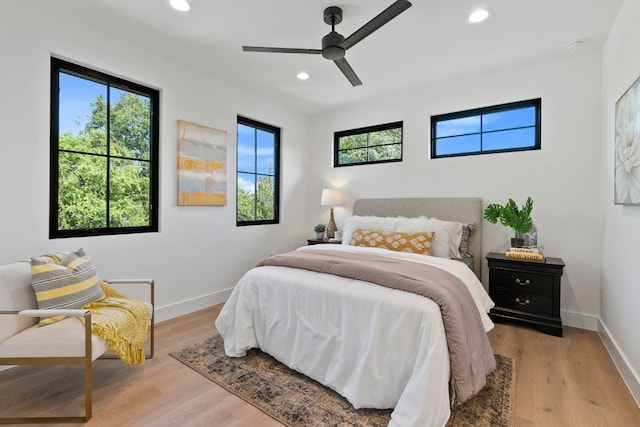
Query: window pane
<point x="265" y="152"/>
<point x="82" y="111"/>
<point x="509" y="119"/>
<point x="130" y="117"/>
<point x="389" y="136"/>
<point x="508" y="139"/>
<point x="458" y="145"/>
<point x="129" y="193"/>
<point x="265" y="198"/>
<point x="246" y="186"/>
<point x="246" y="149"/>
<point x="353" y="156"/>
<point x="353" y="141"/>
<point x="81" y="191"/>
<point x="385" y="152"/>
<point x="462" y="126"/>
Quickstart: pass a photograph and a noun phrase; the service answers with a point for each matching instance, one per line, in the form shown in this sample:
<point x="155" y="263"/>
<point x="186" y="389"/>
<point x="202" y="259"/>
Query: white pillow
<point x="447" y="233"/>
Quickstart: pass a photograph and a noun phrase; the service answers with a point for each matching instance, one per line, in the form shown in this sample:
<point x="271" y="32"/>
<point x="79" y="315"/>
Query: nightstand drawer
<point x="529" y="303"/>
<point x="522" y="282"/>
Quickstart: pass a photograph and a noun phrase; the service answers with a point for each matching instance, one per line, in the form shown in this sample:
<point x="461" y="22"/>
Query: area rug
<point x="298" y="401"/>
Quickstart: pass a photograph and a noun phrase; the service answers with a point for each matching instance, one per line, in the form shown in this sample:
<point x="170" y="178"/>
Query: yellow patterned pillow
<point x="418" y="243"/>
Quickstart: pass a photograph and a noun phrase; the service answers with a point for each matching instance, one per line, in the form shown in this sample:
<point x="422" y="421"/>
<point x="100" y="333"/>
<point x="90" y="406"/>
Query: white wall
<point x="621" y="247"/>
<point x="199" y="253"/>
<point x="562" y="177"/>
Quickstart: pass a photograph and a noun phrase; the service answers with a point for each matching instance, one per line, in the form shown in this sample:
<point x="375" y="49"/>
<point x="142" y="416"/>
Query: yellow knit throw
<point x="122" y="322"/>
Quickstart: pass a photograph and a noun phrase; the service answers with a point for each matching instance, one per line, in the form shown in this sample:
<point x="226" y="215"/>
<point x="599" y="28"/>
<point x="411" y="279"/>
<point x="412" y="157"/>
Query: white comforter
<point x="377" y="347"/>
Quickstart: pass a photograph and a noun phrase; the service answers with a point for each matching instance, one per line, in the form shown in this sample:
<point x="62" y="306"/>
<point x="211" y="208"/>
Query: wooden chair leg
<point x="62" y="419"/>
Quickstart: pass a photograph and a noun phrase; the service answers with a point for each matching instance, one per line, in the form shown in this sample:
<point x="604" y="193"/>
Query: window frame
<point x="362" y="131"/>
<point x="242" y="120"/>
<point x="61" y="66"/>
<point x="536" y="103"/>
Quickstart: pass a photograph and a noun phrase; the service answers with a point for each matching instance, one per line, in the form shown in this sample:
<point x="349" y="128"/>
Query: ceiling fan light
<point x="333" y="52"/>
<point x="302" y="75"/>
<point x="180" y="5"/>
<point x="330" y="46"/>
<point x="478" y="16"/>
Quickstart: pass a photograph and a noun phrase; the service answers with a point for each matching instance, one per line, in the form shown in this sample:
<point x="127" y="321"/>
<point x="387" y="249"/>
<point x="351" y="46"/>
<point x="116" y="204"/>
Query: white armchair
<point x="68" y="342"/>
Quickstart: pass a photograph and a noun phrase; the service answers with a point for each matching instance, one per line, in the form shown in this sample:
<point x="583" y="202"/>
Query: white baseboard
<point x="630" y="377"/>
<point x="180" y="308"/>
<point x="580" y="320"/>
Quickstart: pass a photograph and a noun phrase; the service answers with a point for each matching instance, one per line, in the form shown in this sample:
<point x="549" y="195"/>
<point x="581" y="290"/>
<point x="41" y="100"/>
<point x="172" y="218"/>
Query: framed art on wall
<point x="627" y="147"/>
<point x="202" y="165"/>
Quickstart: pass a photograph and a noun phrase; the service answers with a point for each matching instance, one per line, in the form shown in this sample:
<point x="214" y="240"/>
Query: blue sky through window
<point x="76" y="96"/>
<point x="501" y="128"/>
<point x="256" y="155"/>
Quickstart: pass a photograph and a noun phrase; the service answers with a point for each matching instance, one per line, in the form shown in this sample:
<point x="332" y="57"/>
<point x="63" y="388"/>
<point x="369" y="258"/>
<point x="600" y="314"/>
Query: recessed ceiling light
<point x="302" y="75"/>
<point x="180" y="5"/>
<point x="478" y="16"/>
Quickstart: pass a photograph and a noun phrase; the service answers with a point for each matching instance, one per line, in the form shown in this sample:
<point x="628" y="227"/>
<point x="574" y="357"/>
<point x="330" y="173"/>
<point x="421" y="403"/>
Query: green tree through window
<point x="258" y="148"/>
<point x="374" y="144"/>
<point x="104" y="145"/>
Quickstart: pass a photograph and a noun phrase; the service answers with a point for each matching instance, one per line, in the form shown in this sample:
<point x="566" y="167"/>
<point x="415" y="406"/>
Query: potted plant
<point x="319" y="229"/>
<point x="509" y="215"/>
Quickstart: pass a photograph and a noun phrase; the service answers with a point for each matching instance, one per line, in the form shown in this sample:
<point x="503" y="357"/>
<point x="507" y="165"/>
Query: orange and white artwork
<point x="202" y="165"/>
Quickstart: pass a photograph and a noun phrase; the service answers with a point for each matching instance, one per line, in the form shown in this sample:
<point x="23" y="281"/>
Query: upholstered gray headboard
<point x="459" y="209"/>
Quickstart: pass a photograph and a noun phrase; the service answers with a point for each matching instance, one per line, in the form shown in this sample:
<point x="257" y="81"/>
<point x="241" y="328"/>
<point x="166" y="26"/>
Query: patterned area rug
<point x="298" y="401"/>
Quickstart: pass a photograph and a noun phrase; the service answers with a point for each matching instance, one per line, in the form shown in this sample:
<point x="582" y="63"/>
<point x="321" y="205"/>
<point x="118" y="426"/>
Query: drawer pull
<point x="522" y="303"/>
<point x="525" y="283"/>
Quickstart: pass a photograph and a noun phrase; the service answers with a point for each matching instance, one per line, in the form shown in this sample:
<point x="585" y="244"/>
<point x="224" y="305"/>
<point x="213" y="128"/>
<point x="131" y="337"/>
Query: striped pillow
<point x="64" y="280"/>
<point x="464" y="241"/>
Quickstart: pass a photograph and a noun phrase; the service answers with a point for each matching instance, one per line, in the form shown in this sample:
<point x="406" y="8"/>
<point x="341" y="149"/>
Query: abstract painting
<point x="202" y="165"/>
<point x="627" y="163"/>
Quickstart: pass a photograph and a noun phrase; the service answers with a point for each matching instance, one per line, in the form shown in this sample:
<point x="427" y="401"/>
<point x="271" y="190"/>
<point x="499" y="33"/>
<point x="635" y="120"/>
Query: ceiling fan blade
<point x="348" y="71"/>
<point x="279" y="50"/>
<point x="384" y="17"/>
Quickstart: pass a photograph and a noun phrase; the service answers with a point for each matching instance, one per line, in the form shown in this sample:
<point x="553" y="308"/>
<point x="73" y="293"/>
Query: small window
<point x="374" y="144"/>
<point x="104" y="154"/>
<point x="258" y="189"/>
<point x="507" y="127"/>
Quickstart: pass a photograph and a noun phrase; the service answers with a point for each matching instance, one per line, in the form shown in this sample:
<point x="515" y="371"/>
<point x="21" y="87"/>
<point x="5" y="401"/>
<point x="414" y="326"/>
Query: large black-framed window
<point x="104" y="153"/>
<point x="258" y="173"/>
<point x="514" y="126"/>
<point x="373" y="144"/>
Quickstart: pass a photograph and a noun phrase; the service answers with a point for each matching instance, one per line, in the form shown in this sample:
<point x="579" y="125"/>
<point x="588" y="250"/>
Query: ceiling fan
<point x="334" y="45"/>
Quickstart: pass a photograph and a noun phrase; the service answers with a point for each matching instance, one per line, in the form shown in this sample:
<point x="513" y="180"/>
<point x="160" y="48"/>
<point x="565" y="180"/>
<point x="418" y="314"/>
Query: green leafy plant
<point x="320" y="228"/>
<point x="509" y="215"/>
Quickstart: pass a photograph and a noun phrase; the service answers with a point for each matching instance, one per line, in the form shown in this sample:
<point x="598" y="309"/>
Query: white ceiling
<point x="428" y="42"/>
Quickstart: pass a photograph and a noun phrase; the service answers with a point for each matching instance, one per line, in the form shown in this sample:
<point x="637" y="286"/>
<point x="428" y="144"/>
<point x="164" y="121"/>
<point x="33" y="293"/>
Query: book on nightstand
<point x="529" y="253"/>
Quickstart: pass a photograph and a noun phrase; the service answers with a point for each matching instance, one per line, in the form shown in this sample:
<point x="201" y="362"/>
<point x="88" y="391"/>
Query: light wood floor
<point x="565" y="382"/>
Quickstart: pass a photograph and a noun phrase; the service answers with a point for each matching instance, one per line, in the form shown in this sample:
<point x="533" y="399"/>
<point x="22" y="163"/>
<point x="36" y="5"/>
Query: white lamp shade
<point x="331" y="197"/>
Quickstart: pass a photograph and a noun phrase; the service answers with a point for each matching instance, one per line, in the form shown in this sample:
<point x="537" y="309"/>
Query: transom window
<point x="104" y="153"/>
<point x="258" y="189"/>
<point x="374" y="144"/>
<point x="506" y="127"/>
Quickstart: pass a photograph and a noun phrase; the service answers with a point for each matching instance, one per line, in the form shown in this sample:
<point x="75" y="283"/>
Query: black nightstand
<point x="320" y="241"/>
<point x="526" y="291"/>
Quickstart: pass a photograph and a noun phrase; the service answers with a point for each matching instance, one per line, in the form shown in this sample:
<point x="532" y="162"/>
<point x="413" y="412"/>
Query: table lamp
<point x="331" y="198"/>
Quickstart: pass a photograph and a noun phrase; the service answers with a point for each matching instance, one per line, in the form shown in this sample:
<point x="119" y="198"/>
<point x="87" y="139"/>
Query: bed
<point x="377" y="346"/>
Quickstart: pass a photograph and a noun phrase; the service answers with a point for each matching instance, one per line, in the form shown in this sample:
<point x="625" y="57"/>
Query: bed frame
<point x="459" y="209"/>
